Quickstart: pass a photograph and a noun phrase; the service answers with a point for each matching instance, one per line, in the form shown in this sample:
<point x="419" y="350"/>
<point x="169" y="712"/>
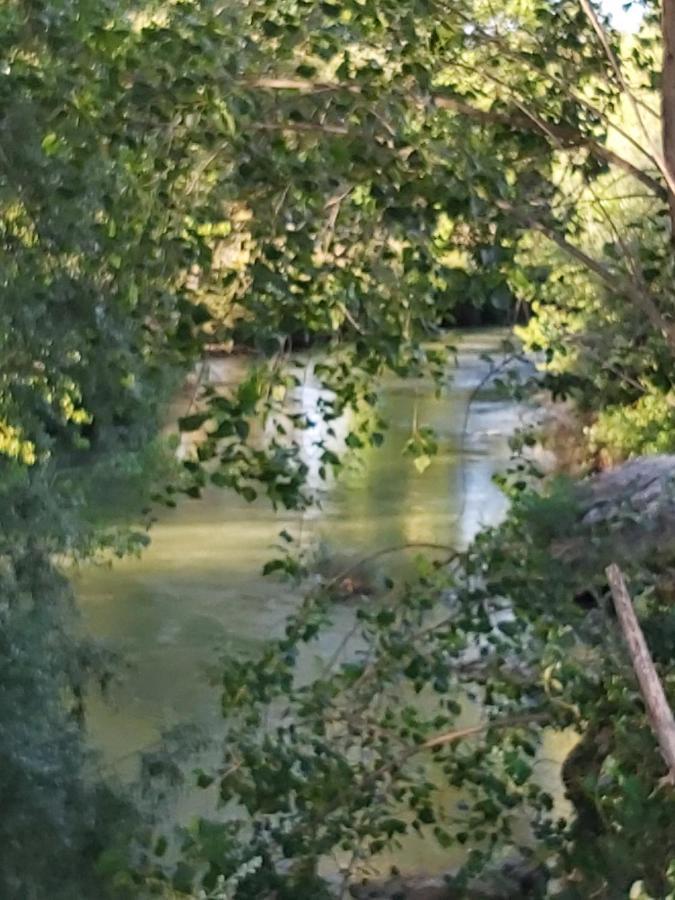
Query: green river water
<point x="198" y="592"/>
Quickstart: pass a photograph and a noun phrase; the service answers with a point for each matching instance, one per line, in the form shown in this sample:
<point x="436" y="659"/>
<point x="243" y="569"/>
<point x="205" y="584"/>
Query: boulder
<point x="627" y="511"/>
<point x="643" y="487"/>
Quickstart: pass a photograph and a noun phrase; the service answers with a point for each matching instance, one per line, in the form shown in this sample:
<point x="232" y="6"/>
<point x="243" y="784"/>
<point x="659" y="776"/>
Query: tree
<point x="392" y="159"/>
<point x="273" y="174"/>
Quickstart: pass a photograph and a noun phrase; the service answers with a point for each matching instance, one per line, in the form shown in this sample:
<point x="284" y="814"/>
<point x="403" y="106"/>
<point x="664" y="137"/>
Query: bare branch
<point x="202" y="167"/>
<point x="460" y="734"/>
<point x="661" y="160"/>
<point x="451" y="737"/>
<point x="545" y="74"/>
<point x="562" y="134"/>
<point x="386" y="551"/>
<point x="592" y="17"/>
<point x="668" y="103"/>
<point x="308" y="127"/>
<point x="658" y="709"/>
<point x="631" y="258"/>
<point x="305" y="86"/>
<point x="333" y="206"/>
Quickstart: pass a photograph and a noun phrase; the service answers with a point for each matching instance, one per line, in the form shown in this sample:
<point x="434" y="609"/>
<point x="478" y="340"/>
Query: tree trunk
<point x="668" y="100"/>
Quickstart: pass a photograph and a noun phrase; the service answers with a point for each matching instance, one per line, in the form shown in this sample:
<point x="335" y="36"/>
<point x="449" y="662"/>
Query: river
<point x="198" y="590"/>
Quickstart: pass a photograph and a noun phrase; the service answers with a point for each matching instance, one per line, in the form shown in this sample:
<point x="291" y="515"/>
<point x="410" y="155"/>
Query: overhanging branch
<point x="566" y="136"/>
<point x="563" y="135"/>
<point x="639" y="296"/>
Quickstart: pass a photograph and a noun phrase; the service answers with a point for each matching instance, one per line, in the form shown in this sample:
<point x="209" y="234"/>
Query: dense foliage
<point x="185" y="178"/>
<point x="363" y="754"/>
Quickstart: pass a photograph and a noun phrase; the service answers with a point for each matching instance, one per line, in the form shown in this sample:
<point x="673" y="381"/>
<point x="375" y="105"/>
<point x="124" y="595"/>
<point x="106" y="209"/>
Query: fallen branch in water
<point x="386" y="551"/>
<point x="658" y="709"/>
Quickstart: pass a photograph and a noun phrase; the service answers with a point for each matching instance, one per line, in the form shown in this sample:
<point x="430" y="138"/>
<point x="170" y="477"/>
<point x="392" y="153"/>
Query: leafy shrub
<point x="645" y="426"/>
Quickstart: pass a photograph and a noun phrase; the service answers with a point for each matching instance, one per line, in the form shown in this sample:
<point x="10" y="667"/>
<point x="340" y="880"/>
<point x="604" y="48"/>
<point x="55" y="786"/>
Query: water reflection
<point x="198" y="591"/>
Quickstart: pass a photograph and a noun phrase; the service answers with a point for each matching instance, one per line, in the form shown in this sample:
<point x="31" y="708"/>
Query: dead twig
<point x="453" y="737"/>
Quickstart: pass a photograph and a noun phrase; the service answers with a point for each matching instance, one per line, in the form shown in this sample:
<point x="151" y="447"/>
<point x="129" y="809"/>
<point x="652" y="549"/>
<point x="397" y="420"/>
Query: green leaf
<point x="422" y="463"/>
<point x="247" y="394"/>
<point x="273" y="565"/>
<point x="203" y="779"/>
<point x="248" y="493"/>
<point x="193" y="421"/>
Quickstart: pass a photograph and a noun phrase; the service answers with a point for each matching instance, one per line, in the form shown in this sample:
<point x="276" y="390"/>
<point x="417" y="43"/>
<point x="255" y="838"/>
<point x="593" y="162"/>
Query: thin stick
<point x="633" y="291"/>
<point x="614" y="63"/>
<point x="658" y="156"/>
<point x="660" y="713"/>
<point x="452" y="737"/>
<point x="301" y="127"/>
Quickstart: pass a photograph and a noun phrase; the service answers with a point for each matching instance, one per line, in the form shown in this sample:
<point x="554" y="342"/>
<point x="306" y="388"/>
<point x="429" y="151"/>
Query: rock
<point x="627" y="510"/>
<point x="515" y="878"/>
<point x="404" y="888"/>
<point x="643" y="487"/>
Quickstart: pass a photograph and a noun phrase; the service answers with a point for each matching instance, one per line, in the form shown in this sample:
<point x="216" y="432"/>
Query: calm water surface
<point x="198" y="592"/>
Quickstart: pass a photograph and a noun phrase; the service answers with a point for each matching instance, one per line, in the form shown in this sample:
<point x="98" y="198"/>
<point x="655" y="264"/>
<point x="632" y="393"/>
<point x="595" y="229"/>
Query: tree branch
<point x="640" y="297"/>
<point x="668" y="103"/>
<point x="452" y="737"/>
<point x="303" y="85"/>
<point x="662" y="159"/>
<point x="301" y="127"/>
<point x="386" y="551"/>
<point x="598" y="28"/>
<point x="564" y="135"/>
<point x="651" y="688"/>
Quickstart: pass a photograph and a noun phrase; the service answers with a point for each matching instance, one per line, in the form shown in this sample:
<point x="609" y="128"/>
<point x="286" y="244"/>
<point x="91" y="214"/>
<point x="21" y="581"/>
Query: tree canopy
<point x="186" y="178"/>
<point x="282" y="172"/>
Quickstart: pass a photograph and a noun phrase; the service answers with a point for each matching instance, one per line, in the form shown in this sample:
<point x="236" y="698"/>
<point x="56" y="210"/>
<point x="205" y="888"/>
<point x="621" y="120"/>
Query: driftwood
<point x="660" y="713"/>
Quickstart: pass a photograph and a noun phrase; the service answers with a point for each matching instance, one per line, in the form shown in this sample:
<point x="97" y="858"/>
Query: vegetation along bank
<point x="358" y="176"/>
